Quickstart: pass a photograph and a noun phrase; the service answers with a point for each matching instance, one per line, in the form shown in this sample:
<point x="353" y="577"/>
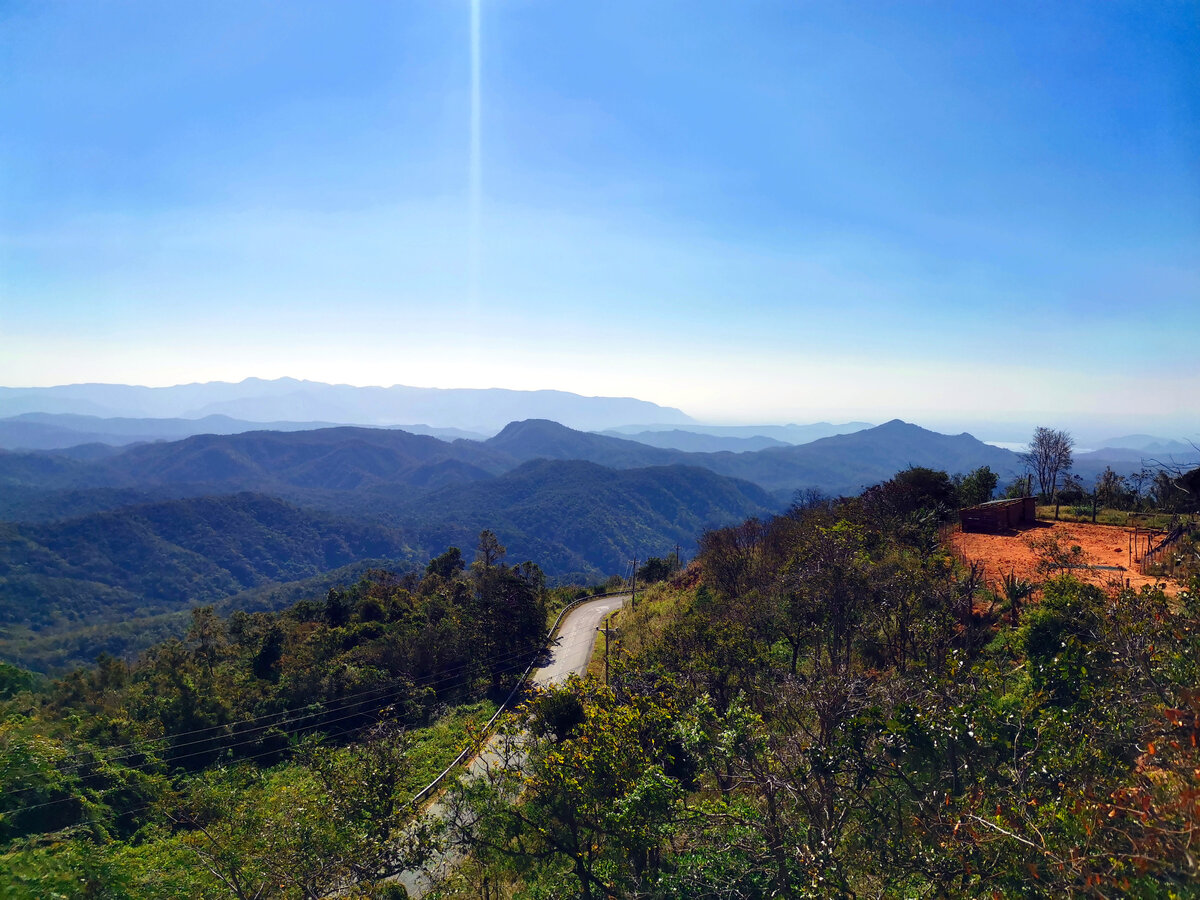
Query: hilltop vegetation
<point x="277" y="751"/>
<point x="830" y="706"/>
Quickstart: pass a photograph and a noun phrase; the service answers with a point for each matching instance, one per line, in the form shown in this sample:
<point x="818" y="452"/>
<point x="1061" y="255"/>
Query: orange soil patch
<point x="1103" y="545"/>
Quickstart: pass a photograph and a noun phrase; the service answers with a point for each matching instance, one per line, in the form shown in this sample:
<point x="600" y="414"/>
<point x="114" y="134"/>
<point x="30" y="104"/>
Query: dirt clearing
<point x="1100" y="545"/>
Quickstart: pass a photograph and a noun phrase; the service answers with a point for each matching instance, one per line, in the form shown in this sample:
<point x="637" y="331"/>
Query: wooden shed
<point x="999" y="515"/>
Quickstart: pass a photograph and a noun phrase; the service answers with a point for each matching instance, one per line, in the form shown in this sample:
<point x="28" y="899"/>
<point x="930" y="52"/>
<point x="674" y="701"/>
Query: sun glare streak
<point x="476" y="164"/>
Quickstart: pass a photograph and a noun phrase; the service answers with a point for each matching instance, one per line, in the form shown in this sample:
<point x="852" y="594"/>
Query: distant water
<point x="1023" y="446"/>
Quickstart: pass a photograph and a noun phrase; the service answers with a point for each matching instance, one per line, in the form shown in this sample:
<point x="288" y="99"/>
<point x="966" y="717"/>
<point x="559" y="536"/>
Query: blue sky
<point x="752" y="211"/>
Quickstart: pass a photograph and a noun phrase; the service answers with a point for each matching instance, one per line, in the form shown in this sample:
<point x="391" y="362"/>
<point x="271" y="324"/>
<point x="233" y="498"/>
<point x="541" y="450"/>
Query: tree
<point x="448" y="564"/>
<point x="207" y="637"/>
<point x="919" y="487"/>
<point x="977" y="487"/>
<point x="1189" y="482"/>
<point x="600" y="789"/>
<point x="489" y="551"/>
<point x="339" y="606"/>
<point x="1168" y="496"/>
<point x="657" y="568"/>
<point x="1110" y="487"/>
<point x="14" y="680"/>
<point x="1049" y="457"/>
<point x="336" y="822"/>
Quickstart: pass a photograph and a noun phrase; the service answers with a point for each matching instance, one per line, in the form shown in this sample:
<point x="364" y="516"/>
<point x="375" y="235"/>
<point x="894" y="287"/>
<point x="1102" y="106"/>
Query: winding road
<point x="568" y="654"/>
<point x="571" y="651"/>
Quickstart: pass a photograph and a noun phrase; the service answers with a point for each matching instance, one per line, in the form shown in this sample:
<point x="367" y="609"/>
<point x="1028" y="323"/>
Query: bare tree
<point x="1181" y="477"/>
<point x="1049" y="457"/>
<point x="1137" y="481"/>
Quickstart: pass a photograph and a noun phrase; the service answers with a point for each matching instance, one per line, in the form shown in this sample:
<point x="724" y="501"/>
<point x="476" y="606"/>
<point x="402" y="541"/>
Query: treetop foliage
<point x="839" y="708"/>
<point x="263" y="754"/>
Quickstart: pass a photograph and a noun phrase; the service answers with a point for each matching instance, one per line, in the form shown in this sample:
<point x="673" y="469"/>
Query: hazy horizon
<point x="777" y="213"/>
<point x="1000" y="431"/>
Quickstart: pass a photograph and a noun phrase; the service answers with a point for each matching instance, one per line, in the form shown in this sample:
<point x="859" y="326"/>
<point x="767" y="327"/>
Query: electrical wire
<point x="450" y="679"/>
<point x="397" y="690"/>
<point x="427" y="680"/>
<point x="225" y="748"/>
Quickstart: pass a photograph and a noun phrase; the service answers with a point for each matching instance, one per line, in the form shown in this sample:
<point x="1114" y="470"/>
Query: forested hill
<point x="350" y="459"/>
<point x="582" y="519"/>
<point x="77" y="582"/>
<point x="543" y="439"/>
<point x="845" y="464"/>
<point x="331" y="458"/>
<point x="839" y="465"/>
<point x="823" y="704"/>
<point x="162" y="557"/>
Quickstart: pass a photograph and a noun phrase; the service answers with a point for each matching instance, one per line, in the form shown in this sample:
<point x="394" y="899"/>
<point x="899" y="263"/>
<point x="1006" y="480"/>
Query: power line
<point x="249" y="740"/>
<point x="223" y="749"/>
<point x="449" y="679"/>
<point x="428" y="680"/>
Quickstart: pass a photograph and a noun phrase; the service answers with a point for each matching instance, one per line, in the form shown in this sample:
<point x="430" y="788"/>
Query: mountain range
<point x="67" y="431"/>
<point x="781" y="434"/>
<point x="317" y="466"/>
<point x="293" y="400"/>
<point x="93" y="540"/>
<point x="1149" y="445"/>
<point x="698" y="442"/>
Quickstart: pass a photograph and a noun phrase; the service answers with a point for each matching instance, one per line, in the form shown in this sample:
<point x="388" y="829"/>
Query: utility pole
<point x="633" y="585"/>
<point x="678" y="559"/>
<point x="606" y="651"/>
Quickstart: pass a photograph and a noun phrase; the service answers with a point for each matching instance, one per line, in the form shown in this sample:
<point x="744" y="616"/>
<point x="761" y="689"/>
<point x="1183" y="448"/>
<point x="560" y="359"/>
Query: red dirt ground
<point x="1103" y="545"/>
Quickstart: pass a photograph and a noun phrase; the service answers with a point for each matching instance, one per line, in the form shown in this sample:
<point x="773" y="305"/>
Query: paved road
<point x="569" y="654"/>
<point x="576" y="637"/>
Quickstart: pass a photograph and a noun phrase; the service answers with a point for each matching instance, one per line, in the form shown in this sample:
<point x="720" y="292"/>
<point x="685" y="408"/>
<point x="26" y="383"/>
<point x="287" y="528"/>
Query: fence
<point x="1156" y="560"/>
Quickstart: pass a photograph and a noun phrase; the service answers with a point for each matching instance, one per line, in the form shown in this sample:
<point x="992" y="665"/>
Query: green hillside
<point x="584" y="520"/>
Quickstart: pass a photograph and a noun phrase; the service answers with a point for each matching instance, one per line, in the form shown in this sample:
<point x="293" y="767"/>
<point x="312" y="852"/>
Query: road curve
<point x="568" y="654"/>
<point x="572" y="648"/>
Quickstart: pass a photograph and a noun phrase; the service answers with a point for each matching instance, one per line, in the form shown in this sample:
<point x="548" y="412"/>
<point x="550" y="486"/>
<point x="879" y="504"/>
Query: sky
<point x="755" y="212"/>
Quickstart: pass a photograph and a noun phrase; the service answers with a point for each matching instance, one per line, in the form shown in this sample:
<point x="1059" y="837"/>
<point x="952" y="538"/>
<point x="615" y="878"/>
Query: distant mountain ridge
<point x="400" y="466"/>
<point x="697" y="442"/>
<point x="544" y="439"/>
<point x="785" y="434"/>
<point x="60" y="431"/>
<point x="841" y="464"/>
<point x="1148" y="443"/>
<point x="849" y="463"/>
<point x="290" y="399"/>
<point x="1121" y="458"/>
